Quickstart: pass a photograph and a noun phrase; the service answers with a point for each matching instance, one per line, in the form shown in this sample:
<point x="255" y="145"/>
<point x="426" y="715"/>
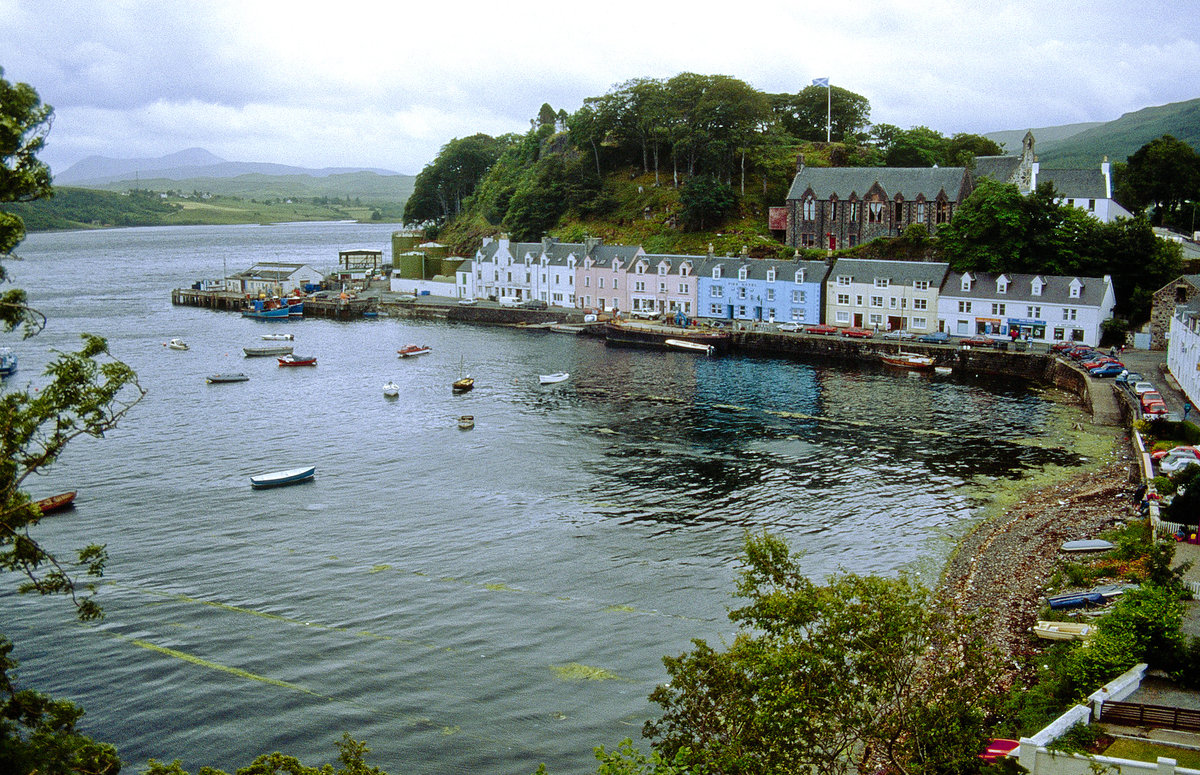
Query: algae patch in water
<point x="577" y="672"/>
<point x="499" y="587"/>
<point x="380" y="568"/>
<point x="622" y="609"/>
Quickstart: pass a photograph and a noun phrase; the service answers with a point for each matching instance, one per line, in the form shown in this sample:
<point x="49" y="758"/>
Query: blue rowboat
<point x="8" y="361"/>
<point x="280" y="478"/>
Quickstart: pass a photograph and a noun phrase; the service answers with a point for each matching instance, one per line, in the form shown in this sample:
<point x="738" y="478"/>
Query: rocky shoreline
<point x="1002" y="567"/>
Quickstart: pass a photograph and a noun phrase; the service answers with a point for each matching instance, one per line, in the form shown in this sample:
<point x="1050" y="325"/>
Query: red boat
<point x="298" y="360"/>
<point x="410" y="350"/>
<point x="56" y="502"/>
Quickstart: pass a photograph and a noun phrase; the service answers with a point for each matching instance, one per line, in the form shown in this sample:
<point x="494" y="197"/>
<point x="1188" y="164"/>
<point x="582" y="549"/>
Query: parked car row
<point x="1090" y="359"/>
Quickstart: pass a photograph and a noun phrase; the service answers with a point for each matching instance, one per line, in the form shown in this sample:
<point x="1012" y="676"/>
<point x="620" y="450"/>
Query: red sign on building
<point x="777" y="218"/>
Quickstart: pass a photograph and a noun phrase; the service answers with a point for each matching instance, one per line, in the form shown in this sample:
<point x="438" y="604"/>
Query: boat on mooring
<point x="268" y="351"/>
<point x="278" y="337"/>
<point x="653" y="335"/>
<point x="176" y="344"/>
<point x="908" y="360"/>
<point x="8" y="361"/>
<point x="550" y="379"/>
<point x="413" y="350"/>
<point x="466" y="422"/>
<point x="685" y="344"/>
<point x="281" y="478"/>
<point x="391" y="389"/>
<point x="238" y="377"/>
<point x="56" y="502"/>
<point x="298" y="360"/>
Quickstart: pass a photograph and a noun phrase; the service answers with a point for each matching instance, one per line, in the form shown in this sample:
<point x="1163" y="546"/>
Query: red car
<point x="820" y="329"/>
<point x="858" y="333"/>
<point x="978" y="341"/>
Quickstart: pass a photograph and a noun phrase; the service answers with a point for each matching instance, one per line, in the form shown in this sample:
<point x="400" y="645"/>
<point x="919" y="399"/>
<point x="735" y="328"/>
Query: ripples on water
<point x="425" y="592"/>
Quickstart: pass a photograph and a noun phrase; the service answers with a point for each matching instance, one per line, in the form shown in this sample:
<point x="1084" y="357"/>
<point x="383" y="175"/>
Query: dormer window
<point x="1036" y="287"/>
<point x="684" y="270"/>
<point x="810" y="209"/>
<point x="743" y="272"/>
<point x="716" y="272"/>
<point x="799" y="275"/>
<point x="662" y="269"/>
<point x="1002" y="285"/>
<point x="882" y="282"/>
<point x="641" y="268"/>
<point x="966" y="282"/>
<point x="1076" y="287"/>
<point x="771" y="275"/>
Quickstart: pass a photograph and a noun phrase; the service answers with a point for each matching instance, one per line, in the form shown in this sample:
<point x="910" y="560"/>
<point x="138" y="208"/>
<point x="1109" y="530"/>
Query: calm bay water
<point x="443" y="594"/>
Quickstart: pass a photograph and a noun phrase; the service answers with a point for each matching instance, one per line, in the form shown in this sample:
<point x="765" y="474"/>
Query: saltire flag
<point x="821" y="82"/>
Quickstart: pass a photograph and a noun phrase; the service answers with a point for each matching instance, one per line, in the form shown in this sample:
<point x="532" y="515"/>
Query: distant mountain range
<point x="184" y="165"/>
<point x="1086" y="145"/>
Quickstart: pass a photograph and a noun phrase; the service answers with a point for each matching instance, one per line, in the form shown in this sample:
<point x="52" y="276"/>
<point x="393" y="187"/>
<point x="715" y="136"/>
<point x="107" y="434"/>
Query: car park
<point x="858" y="333"/>
<point x="820" y="329"/>
<point x="791" y="328"/>
<point x="1107" y="370"/>
<point x="899" y="334"/>
<point x="937" y="337"/>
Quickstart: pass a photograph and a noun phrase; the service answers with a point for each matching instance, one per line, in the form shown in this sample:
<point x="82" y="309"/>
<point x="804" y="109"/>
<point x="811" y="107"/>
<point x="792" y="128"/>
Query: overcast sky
<point x="386" y="84"/>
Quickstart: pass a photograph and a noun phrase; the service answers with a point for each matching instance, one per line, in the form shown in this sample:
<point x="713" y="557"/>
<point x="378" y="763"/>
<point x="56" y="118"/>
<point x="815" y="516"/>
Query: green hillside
<point x="1119" y="139"/>
<point x="367" y="187"/>
<point x="82" y="208"/>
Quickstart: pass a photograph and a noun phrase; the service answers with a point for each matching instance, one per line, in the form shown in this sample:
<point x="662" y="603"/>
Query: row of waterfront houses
<point x="920" y="297"/>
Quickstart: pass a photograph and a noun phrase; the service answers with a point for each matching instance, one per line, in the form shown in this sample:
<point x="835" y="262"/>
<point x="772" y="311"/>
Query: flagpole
<point x="828" y="110"/>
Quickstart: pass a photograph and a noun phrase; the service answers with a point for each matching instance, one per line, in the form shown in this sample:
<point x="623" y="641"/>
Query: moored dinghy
<point x="281" y="478"/>
<point x="238" y="377"/>
<point x="391" y="389"/>
<point x="549" y="379"/>
<point x="176" y="344"/>
<point x="55" y="502"/>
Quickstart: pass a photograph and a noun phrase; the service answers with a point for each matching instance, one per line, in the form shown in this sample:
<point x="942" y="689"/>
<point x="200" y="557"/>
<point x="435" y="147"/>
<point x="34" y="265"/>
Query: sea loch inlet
<point x="464" y="602"/>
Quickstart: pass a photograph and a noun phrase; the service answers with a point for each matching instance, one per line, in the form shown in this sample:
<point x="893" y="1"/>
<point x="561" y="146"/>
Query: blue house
<point x="753" y="289"/>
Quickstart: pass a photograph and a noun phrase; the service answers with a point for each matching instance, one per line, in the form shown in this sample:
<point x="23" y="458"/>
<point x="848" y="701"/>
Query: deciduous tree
<point x="1164" y="172"/>
<point x="851" y="675"/>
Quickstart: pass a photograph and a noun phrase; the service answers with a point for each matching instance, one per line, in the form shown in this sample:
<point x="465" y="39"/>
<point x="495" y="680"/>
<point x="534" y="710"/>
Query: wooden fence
<point x="1135" y="714"/>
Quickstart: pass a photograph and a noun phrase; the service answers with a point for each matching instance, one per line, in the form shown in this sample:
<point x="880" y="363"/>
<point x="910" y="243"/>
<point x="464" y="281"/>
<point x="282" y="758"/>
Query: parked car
<point x="1170" y="465"/>
<point x="1152" y="395"/>
<point x="1142" y="387"/>
<point x="1176" y="451"/>
<point x="1155" y="409"/>
<point x="899" y="334"/>
<point x="820" y="329"/>
<point x="1128" y="378"/>
<point x="789" y="327"/>
<point x="1103" y="360"/>
<point x="858" y="333"/>
<point x="466" y="301"/>
<point x="978" y="341"/>
<point x="937" y="337"/>
<point x="534" y="304"/>
<point x="1107" y="370"/>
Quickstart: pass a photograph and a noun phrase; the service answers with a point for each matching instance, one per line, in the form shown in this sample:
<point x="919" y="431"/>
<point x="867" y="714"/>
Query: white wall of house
<point x="1183" y="352"/>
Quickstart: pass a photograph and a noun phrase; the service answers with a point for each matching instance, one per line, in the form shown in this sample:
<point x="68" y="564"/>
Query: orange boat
<point x="56" y="502"/>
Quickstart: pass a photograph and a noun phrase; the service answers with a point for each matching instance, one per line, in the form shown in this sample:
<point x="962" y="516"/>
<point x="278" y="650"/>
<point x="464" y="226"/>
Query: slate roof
<point x="603" y="255"/>
<point x="909" y="182"/>
<point x="1055" y="289"/>
<point x="998" y="168"/>
<point x="1075" y="184"/>
<point x="785" y="271"/>
<point x="861" y="270"/>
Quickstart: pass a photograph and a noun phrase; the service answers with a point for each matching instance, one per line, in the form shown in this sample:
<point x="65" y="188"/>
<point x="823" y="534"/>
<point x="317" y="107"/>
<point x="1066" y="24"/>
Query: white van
<point x="509" y="301"/>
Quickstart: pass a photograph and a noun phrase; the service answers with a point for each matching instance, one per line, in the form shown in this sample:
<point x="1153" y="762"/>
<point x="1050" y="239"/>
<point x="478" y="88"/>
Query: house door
<point x="832" y="241"/>
<point x="895" y="323"/>
<point x="858" y="320"/>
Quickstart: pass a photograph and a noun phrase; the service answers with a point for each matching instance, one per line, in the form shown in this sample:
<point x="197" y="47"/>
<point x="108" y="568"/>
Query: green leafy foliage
<point x="1164" y="172"/>
<point x="351" y="753"/>
<point x="858" y="673"/>
<point x="705" y="201"/>
<point x="40" y="734"/>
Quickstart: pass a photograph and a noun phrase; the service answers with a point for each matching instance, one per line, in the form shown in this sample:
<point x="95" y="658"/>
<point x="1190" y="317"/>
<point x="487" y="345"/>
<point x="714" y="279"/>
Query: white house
<point x="1087" y="189"/>
<point x="274" y="278"/>
<point x="1183" y="349"/>
<point x="884" y="295"/>
<point x="1044" y="308"/>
